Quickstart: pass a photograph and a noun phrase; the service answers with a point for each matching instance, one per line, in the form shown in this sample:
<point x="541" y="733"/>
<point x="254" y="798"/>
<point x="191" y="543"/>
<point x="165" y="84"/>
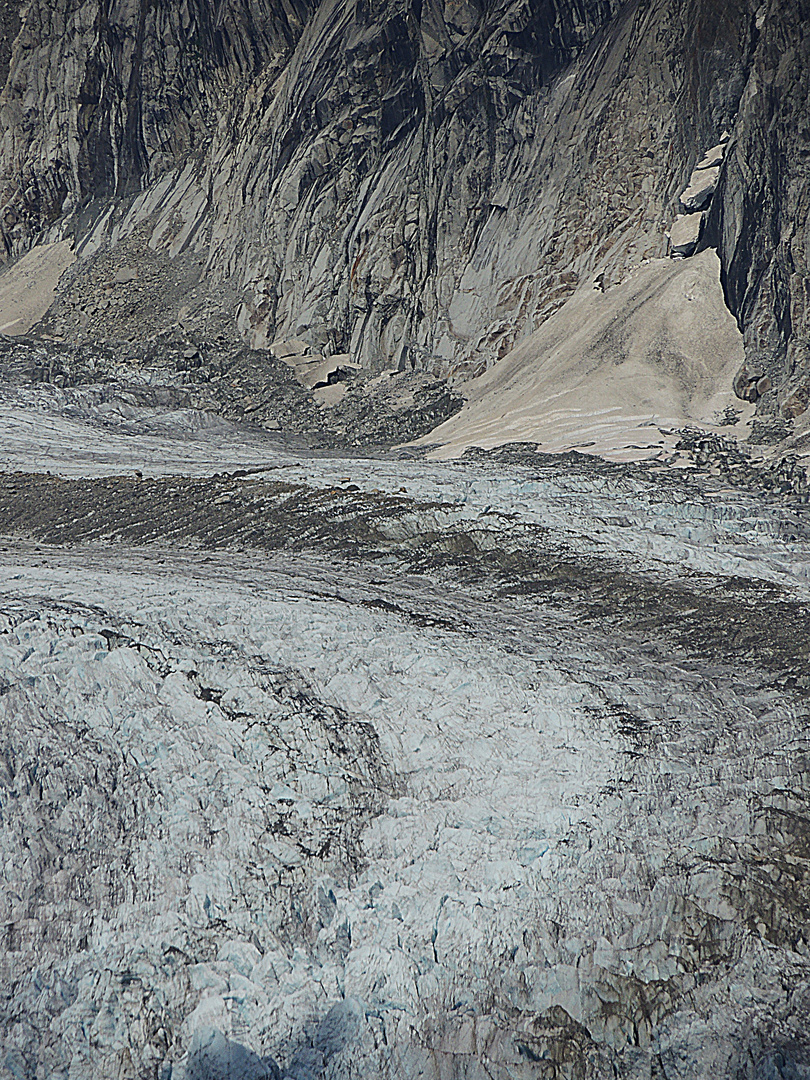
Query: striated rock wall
<point x="416" y="183"/>
<point x="764" y="218"/>
<point x="9" y="28"/>
<point x="104" y="96"/>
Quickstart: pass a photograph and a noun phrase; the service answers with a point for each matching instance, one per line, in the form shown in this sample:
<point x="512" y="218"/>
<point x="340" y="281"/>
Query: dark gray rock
<point x="405" y="180"/>
<point x="761" y="212"/>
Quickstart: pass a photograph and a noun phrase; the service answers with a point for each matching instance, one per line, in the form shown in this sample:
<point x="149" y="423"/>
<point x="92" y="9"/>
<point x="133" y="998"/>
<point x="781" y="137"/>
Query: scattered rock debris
<point x="786" y="477"/>
<point x="241" y="385"/>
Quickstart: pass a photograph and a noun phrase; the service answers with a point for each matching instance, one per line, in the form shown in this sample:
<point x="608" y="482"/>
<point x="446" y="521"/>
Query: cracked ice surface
<point x="722" y="532"/>
<point x="341" y="818"/>
<point x="272" y="805"/>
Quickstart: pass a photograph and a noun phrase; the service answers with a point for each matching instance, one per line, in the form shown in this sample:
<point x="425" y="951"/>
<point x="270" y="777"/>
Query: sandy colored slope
<point x="612" y="373"/>
<point x="28" y="287"/>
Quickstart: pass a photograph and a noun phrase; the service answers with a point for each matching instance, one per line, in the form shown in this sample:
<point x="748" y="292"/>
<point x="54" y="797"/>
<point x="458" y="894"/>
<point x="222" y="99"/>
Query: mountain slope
<point x="420" y="184"/>
<point x="615" y="374"/>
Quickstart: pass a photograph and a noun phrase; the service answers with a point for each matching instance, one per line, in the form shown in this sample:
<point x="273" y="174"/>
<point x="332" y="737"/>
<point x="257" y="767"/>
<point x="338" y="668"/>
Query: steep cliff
<point x="417" y="183"/>
<point x="764" y="207"/>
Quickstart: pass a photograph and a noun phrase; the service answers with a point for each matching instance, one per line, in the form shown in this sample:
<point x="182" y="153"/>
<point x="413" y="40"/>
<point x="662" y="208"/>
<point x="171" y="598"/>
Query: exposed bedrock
<point x="409" y="183"/>
<point x="764" y="207"/>
<point x="418" y="183"/>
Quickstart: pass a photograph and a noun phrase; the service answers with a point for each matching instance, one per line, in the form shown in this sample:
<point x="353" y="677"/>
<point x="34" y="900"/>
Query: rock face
<point x="418" y="184"/>
<point x="763" y="205"/>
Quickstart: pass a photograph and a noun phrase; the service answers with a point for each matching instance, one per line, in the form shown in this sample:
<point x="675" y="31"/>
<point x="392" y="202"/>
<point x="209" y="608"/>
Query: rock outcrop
<point x="762" y="207"/>
<point x="419" y="183"/>
<point x="684" y="235"/>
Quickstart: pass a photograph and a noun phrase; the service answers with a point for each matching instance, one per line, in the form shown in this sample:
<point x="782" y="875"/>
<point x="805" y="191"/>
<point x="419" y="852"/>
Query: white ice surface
<point x="527" y="849"/>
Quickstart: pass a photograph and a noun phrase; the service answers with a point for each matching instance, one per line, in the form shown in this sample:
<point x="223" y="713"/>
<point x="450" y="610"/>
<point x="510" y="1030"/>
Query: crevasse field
<point x="375" y="767"/>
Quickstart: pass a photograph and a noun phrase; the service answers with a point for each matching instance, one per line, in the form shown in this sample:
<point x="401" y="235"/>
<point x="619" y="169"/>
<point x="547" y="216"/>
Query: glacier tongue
<point x="299" y="813"/>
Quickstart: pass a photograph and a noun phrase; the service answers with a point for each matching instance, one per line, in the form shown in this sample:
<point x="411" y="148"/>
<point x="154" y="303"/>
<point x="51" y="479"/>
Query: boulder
<point x="312" y="369"/>
<point x="794" y="407"/>
<point x="284" y="349"/>
<point x="751" y="385"/>
<point x="796" y="402"/>
<point x="713" y="157"/>
<point x="702" y="184"/>
<point x="335" y="369"/>
<point x="330" y="395"/>
<point x="685" y="234"/>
